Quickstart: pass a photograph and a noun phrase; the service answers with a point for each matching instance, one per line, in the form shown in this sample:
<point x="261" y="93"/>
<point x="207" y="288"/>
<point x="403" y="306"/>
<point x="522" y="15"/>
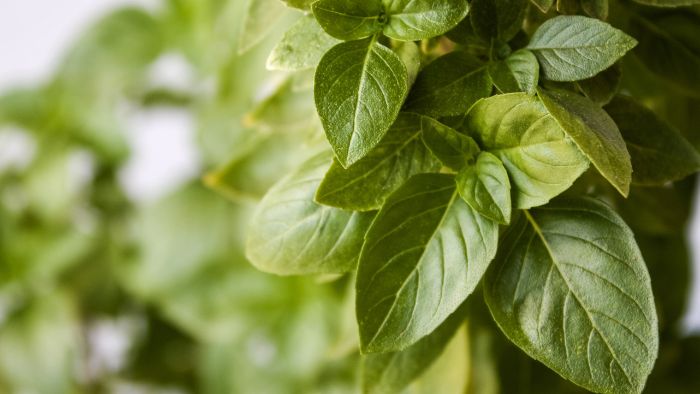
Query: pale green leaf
<point x="261" y="16"/>
<point x="350" y="19"/>
<point x="392" y="372"/>
<point x="423" y="255"/>
<point x="519" y="72"/>
<point x="301" y="47"/>
<point x="412" y="20"/>
<point x="411" y="57"/>
<point x="290" y="234"/>
<point x="359" y="89"/>
<point x="543" y="5"/>
<point x="300" y="4"/>
<point x="449" y="86"/>
<point x="498" y="20"/>
<point x="366" y="184"/>
<point x="659" y="153"/>
<point x="595" y="133"/>
<point x="541" y="159"/>
<point x="486" y="188"/>
<point x="572" y="48"/>
<point x="453" y="148"/>
<point x="569" y="287"/>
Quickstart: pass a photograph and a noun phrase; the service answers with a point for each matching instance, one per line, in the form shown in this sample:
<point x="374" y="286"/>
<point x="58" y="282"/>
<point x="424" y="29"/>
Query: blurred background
<point x="119" y="270"/>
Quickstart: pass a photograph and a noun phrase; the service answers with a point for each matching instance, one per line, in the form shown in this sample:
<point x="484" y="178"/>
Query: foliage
<point x="453" y="196"/>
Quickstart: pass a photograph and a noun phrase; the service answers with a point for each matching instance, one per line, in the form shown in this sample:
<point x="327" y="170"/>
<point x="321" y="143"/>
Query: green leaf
<point x="572" y="48"/>
<point x="301" y="47"/>
<point x="498" y="20"/>
<point x="670" y="48"/>
<point x="453" y="148"/>
<point x="290" y="234"/>
<point x="604" y="86"/>
<point x="595" y="133"/>
<point x="411" y="57"/>
<point x="569" y="287"/>
<point x="423" y="255"/>
<point x="519" y="72"/>
<point x="449" y="86"/>
<point x="359" y="89"/>
<point x="541" y="159"/>
<point x="486" y="188"/>
<point x="261" y="16"/>
<point x="659" y="153"/>
<point x="598" y="9"/>
<point x="350" y="19"/>
<point x="392" y="372"/>
<point x="411" y="20"/>
<point x="366" y="184"/>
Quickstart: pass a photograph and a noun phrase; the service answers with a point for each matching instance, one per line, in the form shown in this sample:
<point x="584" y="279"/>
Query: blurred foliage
<point x="101" y="294"/>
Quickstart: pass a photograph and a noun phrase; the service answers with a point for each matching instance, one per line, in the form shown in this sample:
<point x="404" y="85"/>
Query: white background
<point x="34" y="34"/>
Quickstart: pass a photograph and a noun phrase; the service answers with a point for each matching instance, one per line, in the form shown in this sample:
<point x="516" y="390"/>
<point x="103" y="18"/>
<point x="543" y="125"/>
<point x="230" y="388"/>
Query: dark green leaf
<point x="360" y="87"/>
<point x="541" y="159"/>
<point x="497" y="20"/>
<point x="572" y="48"/>
<point x="350" y="19"/>
<point x="659" y="153"/>
<point x="594" y="132"/>
<point x="486" y="188"/>
<point x="570" y="287"/>
<point x="449" y="86"/>
<point x="392" y="372"/>
<point x="412" y="20"/>
<point x="423" y="255"/>
<point x="604" y="86"/>
<point x="453" y="148"/>
<point x="290" y="234"/>
<point x="596" y="8"/>
<point x="301" y="47"/>
<point x="366" y="184"/>
<point x="519" y="72"/>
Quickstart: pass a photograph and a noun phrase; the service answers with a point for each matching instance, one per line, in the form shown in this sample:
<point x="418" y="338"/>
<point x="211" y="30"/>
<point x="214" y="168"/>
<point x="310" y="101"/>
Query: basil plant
<point x="500" y="165"/>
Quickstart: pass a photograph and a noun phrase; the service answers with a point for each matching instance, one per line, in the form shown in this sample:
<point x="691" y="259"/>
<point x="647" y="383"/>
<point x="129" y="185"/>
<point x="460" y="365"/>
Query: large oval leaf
<point x="569" y="286"/>
<point x="359" y="89"/>
<point x="571" y="47"/>
<point x="541" y="159"/>
<point x="290" y="234"/>
<point x="366" y="184"/>
<point x="595" y="133"/>
<point x="423" y="255"/>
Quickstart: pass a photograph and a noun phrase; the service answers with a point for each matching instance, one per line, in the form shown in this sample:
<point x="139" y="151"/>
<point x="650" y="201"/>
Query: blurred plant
<point x="431" y="109"/>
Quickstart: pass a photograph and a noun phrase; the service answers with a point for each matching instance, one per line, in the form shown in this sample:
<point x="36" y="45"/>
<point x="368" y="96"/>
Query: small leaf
<point x="498" y="20"/>
<point x="449" y="86"/>
<point x="453" y="148"/>
<point x="350" y="19"/>
<point x="410" y="55"/>
<point x="301" y="47"/>
<point x="595" y="133"/>
<point x="659" y="153"/>
<point x="411" y="20"/>
<point x="543" y="5"/>
<point x="604" y="86"/>
<point x="598" y="9"/>
<point x="261" y="16"/>
<point x="541" y="159"/>
<point x="359" y="89"/>
<point x="519" y="72"/>
<point x="366" y="184"/>
<point x="569" y="287"/>
<point x="486" y="188"/>
<point x="423" y="255"/>
<point x="571" y="48"/>
<point x="392" y="372"/>
<point x="290" y="234"/>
